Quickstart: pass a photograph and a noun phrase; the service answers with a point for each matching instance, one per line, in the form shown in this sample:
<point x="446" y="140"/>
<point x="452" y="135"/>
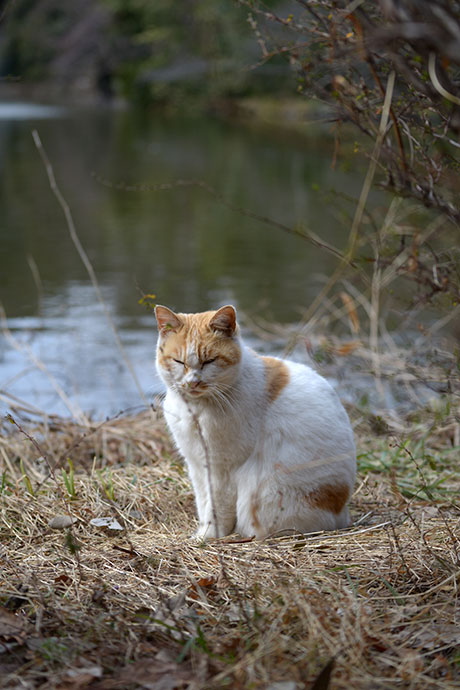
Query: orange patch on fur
<point x="254" y="510"/>
<point x="332" y="497"/>
<point x="276" y="375"/>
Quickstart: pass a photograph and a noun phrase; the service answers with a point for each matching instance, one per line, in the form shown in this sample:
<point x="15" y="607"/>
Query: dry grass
<point x="145" y="606"/>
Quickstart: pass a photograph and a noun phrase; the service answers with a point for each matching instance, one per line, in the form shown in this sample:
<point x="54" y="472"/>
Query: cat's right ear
<point x="224" y="320"/>
<point x="167" y="320"/>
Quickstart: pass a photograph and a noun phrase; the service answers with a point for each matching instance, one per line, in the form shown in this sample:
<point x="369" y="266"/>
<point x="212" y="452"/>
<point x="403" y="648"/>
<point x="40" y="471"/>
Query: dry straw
<point x="91" y="607"/>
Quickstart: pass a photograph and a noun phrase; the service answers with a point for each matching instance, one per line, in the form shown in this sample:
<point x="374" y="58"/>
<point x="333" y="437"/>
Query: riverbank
<point x="102" y="587"/>
<point x="282" y="113"/>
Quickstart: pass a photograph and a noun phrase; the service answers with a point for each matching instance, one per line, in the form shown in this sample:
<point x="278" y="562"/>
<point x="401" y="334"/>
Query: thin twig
<point x="86" y="262"/>
<point x="302" y="233"/>
<point x="76" y="412"/>
<point x="357" y="220"/>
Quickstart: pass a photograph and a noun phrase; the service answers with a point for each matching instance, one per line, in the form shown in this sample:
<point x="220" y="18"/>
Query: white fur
<point x="253" y="463"/>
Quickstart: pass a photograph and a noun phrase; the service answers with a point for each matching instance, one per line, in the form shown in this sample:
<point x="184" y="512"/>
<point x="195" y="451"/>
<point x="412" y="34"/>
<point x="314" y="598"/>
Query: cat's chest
<point x="199" y="431"/>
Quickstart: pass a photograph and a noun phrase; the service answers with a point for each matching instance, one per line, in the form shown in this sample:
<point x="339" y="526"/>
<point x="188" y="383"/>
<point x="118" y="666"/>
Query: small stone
<point x="61" y="521"/>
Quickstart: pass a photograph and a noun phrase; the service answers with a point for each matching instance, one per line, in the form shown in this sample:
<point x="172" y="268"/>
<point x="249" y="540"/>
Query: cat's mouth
<point x="196" y="392"/>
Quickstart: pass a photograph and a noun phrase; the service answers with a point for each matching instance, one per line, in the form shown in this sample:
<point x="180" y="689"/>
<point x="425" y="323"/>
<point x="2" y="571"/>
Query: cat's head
<point x="198" y="355"/>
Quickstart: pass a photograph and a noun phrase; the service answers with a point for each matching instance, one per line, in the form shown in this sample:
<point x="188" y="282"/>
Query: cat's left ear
<point x="167" y="320"/>
<point x="224" y="320"/>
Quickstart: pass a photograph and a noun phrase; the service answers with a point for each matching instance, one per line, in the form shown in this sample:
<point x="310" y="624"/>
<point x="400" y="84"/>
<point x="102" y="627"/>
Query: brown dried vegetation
<point x="146" y="607"/>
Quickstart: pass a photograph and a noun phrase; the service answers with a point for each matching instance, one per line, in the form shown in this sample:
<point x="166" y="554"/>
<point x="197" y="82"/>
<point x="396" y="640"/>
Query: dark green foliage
<point x="32" y="35"/>
<point x="140" y="50"/>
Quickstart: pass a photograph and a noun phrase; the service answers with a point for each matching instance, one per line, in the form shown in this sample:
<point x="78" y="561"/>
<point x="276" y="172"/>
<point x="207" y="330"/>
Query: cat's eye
<point x="178" y="361"/>
<point x="209" y="361"/>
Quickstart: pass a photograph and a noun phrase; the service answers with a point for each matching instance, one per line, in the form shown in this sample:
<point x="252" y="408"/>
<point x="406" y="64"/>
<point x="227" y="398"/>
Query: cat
<point x="267" y="443"/>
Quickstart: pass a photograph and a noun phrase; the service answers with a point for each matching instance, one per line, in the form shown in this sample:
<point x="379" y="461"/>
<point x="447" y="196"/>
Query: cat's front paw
<point x="207" y="531"/>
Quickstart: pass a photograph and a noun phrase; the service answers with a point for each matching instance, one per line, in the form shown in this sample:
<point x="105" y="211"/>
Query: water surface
<point x="182" y="244"/>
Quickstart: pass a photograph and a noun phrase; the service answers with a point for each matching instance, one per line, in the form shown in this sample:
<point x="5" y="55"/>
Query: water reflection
<point x="181" y="244"/>
<point x="29" y="111"/>
<point x="68" y="362"/>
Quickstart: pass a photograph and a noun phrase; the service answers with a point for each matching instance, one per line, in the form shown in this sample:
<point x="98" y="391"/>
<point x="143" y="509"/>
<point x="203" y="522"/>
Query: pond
<point x="192" y="249"/>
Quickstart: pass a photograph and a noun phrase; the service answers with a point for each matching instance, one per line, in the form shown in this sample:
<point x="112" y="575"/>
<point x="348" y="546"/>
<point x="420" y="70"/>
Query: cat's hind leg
<point x="267" y="508"/>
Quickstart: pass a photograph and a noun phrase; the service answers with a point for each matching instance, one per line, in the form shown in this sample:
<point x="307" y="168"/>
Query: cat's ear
<point x="167" y="320"/>
<point x="224" y="320"/>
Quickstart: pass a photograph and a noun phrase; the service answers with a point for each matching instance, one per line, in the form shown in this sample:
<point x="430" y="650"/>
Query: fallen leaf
<point x="158" y="674"/>
<point x="351" y="311"/>
<point x="17" y="601"/>
<point x="230" y="645"/>
<point x="61" y="521"/>
<point x="206" y="581"/>
<point x="99" y="597"/>
<point x="62" y="582"/>
<point x="81" y="678"/>
<point x="347" y="348"/>
<point x="435" y="635"/>
<point x="107" y="523"/>
<point x="12" y="629"/>
<point x="92" y="671"/>
<point x="376" y="643"/>
<point x="202" y="583"/>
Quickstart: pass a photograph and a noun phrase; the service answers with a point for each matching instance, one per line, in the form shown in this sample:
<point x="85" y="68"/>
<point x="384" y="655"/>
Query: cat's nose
<point x="193" y="384"/>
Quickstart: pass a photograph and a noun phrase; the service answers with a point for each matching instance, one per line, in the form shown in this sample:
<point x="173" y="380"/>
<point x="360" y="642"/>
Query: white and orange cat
<point x="267" y="443"/>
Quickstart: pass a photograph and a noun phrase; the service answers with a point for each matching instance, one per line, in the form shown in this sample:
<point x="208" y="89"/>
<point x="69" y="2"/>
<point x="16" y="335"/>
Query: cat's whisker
<point x="218" y="398"/>
<point x="224" y="397"/>
<point x="218" y="402"/>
